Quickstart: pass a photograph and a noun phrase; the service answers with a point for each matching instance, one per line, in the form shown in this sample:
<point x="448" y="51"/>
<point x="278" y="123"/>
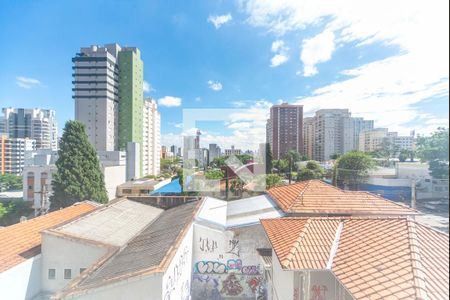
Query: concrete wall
<point x="282" y="281"/>
<point x="114" y="176"/>
<point x="22" y="281"/>
<point x="176" y="281"/>
<point x="62" y="253"/>
<point x="141" y="288"/>
<point x="226" y="263"/>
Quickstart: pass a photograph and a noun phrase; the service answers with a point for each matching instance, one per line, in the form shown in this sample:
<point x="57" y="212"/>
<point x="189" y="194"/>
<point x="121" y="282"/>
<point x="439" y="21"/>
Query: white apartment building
<point x="37" y="177"/>
<point x="96" y="94"/>
<point x="308" y="137"/>
<point x="12" y="154"/>
<point x="372" y="140"/>
<point x="34" y="123"/>
<point x="334" y="133"/>
<point x="151" y="138"/>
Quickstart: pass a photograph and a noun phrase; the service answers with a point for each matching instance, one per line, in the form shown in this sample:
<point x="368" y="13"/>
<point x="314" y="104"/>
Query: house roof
<point x="315" y="197"/>
<point x="247" y="211"/>
<point x="374" y="258"/>
<point x="148" y="252"/>
<point x="22" y="241"/>
<point x="113" y="224"/>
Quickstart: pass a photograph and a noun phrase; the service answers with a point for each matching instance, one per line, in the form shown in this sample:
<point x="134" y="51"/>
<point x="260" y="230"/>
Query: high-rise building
<point x="372" y="140"/>
<point x="37" y="124"/>
<point x="131" y="96"/>
<point x="151" y="138"/>
<point x="12" y="154"/>
<point x="96" y="94"/>
<point x="334" y="133"/>
<point x="214" y="151"/>
<point x="284" y="130"/>
<point x="308" y="137"/>
<point x="361" y="125"/>
<point x="174" y="150"/>
<point x="233" y="151"/>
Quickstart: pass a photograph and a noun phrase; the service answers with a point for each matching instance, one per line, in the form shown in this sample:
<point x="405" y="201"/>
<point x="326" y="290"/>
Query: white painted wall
<point x="176" y="281"/>
<point x="22" y="281"/>
<point x="114" y="176"/>
<point x="283" y="281"/>
<point x="63" y="253"/>
<point x="226" y="263"/>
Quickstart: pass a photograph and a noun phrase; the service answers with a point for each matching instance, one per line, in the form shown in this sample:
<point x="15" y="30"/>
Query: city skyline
<point x="198" y="62"/>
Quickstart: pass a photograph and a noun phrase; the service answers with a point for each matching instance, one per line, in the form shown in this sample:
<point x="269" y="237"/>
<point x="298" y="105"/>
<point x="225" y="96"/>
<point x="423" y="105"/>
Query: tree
<point x="335" y="156"/>
<point x="403" y="156"/>
<point x="214" y="174"/>
<point x="352" y="168"/>
<point x="269" y="159"/>
<point x="10" y="182"/>
<point x="273" y="180"/>
<point x="281" y="165"/>
<point x="237" y="186"/>
<point x="312" y="170"/>
<point x="292" y="157"/>
<point x="435" y="150"/>
<point x="78" y="176"/>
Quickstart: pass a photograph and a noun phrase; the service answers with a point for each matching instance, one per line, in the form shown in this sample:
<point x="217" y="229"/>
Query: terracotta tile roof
<point x="23" y="240"/>
<point x="317" y="197"/>
<point x="376" y="258"/>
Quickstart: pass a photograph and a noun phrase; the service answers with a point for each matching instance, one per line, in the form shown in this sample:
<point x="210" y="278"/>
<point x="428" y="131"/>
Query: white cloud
<point x="147" y="87"/>
<point x="170" y="101"/>
<point x="281" y="53"/>
<point x="316" y="50"/>
<point x="27" y="82"/>
<point x="215" y="85"/>
<point x="218" y="21"/>
<point x="387" y="90"/>
<point x="278" y="60"/>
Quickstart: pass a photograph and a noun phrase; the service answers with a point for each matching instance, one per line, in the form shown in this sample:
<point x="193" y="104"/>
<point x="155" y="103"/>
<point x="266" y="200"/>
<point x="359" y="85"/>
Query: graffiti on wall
<point x="318" y="292"/>
<point x="210" y="267"/>
<point x="207" y="245"/>
<point x="205" y="287"/>
<point x="233" y="246"/>
<point x="231" y="286"/>
<point x="175" y="275"/>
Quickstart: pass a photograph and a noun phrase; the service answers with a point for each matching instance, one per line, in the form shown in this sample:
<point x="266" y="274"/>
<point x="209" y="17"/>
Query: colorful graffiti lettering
<point x="210" y="267"/>
<point x="250" y="270"/>
<point x="253" y="283"/>
<point x="234" y="264"/>
<point x="207" y="245"/>
<point x="318" y="292"/>
<point x="231" y="286"/>
<point x="234" y="247"/>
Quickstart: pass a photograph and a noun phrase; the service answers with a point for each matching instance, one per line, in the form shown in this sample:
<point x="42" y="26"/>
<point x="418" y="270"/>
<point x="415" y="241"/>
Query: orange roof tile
<point x="376" y="258"/>
<point x="318" y="197"/>
<point x="23" y="240"/>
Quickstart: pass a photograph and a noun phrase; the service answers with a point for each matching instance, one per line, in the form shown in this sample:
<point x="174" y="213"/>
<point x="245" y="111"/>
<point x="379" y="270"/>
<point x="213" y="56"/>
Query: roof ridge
<point x="417" y="267"/>
<point x="300" y="195"/>
<point x="335" y="245"/>
<point x="298" y="241"/>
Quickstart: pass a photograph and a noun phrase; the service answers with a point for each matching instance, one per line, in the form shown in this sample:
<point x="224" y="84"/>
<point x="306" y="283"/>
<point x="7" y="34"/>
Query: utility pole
<point x="413" y="194"/>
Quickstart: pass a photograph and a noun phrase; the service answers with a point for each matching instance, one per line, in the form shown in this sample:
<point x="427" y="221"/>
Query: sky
<point x="383" y="60"/>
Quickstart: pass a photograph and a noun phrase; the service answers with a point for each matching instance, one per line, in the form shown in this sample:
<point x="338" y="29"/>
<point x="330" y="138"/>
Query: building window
<point x="67" y="273"/>
<point x="82" y="270"/>
<point x="51" y="274"/>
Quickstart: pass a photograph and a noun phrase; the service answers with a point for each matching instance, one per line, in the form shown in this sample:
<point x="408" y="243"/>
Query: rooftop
<point x="315" y="197"/>
<point x="113" y="224"/>
<point x="149" y="251"/>
<point x="23" y="240"/>
<point x="374" y="258"/>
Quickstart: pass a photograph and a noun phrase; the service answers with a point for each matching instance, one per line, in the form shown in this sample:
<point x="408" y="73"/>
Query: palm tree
<point x="292" y="157"/>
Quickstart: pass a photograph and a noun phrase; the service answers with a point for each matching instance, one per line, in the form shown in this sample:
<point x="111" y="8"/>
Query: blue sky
<point x="244" y="53"/>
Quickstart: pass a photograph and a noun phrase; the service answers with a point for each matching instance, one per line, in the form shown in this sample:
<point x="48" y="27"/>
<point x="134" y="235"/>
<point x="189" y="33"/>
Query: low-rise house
<point x="20" y="251"/>
<point x="315" y="198"/>
<point x="356" y="258"/>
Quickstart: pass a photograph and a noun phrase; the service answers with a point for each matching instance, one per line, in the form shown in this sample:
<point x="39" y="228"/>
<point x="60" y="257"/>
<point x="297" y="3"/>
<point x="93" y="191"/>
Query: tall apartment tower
<point x="308" y="137"/>
<point x="284" y="130"/>
<point x="37" y="124"/>
<point x="96" y="94"/>
<point x="12" y="154"/>
<point x="361" y="125"/>
<point x="151" y="132"/>
<point x="334" y="133"/>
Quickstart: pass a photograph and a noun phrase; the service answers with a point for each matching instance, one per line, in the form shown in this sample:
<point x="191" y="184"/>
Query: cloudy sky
<point x="384" y="60"/>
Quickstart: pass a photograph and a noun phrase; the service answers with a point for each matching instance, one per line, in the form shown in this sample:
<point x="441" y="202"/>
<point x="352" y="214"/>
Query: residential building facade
<point x="37" y="124"/>
<point x="151" y="138"/>
<point x="284" y="129"/>
<point x="372" y="140"/>
<point x="214" y="151"/>
<point x="308" y="137"/>
<point x="12" y="154"/>
<point x="233" y="151"/>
